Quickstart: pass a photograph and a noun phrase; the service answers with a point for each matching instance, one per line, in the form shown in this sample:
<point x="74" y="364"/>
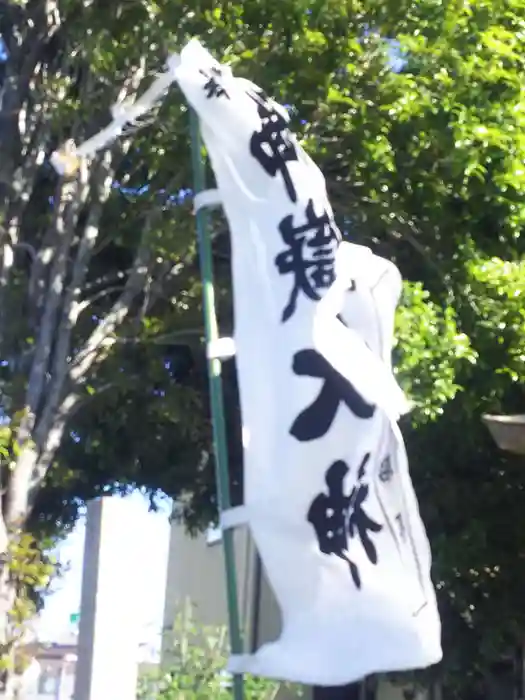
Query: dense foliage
<point x="197" y="659"/>
<point x="415" y="112"/>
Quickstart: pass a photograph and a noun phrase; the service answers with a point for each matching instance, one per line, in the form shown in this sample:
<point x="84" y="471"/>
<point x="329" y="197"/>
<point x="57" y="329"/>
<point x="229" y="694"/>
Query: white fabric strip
<point x="220" y="349"/>
<point x="206" y="200"/>
<point x="238" y="663"/>
<point x="233" y="517"/>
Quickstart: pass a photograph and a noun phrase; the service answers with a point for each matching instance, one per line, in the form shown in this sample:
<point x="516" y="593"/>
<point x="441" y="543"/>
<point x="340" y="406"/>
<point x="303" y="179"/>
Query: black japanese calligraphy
<point x="273" y="147"/>
<point x="212" y="86"/>
<point x="309" y="255"/>
<point x="315" y="420"/>
<point x="338" y="518"/>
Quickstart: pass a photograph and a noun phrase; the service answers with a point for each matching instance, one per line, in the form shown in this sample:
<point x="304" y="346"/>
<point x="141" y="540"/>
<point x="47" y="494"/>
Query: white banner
<point x="328" y="496"/>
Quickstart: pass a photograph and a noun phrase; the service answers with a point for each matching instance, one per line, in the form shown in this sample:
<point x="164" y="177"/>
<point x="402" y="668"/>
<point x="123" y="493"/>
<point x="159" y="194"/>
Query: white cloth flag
<point x="328" y="496"/>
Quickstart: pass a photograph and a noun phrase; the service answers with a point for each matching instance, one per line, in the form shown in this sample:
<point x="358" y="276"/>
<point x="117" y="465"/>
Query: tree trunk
<point x="7" y="645"/>
<point x="59" y="354"/>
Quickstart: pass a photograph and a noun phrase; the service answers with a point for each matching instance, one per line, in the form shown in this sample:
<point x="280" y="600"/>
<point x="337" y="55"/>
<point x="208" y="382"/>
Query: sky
<point x="150" y="538"/>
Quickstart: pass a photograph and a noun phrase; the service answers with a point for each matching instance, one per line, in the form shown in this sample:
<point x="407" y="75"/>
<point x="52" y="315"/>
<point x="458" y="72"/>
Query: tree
<point x="429" y="170"/>
<point x="80" y="259"/>
<point x="93" y="265"/>
<point x="198" y="657"/>
<point x="423" y="163"/>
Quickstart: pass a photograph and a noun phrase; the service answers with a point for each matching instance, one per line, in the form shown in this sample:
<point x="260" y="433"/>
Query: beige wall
<point x="196" y="572"/>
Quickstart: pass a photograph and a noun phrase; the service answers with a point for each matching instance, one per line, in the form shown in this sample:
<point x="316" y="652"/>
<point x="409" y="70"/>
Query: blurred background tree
<point x="414" y="111"/>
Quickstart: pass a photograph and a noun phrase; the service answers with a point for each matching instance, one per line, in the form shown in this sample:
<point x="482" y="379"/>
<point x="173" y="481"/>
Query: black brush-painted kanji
<point x="273" y="147"/>
<point x="315" y="420"/>
<point x="309" y="255"/>
<point x="338" y="518"/>
<point x="212" y="86"/>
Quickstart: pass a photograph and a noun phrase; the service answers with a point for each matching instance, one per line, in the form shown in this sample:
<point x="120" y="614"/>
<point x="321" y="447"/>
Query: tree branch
<point x="28" y="248"/>
<point x="72" y="403"/>
<point x="53" y="438"/>
<point x="21" y="67"/>
<point x="44" y="257"/>
<point x="43" y="426"/>
<point x="163" y="338"/>
<point x="73" y="196"/>
<point x="86" y="303"/>
<point x="100" y="339"/>
<point x="105" y="281"/>
<point x="6" y="265"/>
<point x="70" y="306"/>
<point x="99" y="342"/>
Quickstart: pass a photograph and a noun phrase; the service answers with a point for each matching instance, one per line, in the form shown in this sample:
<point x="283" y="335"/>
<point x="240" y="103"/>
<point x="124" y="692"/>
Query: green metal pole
<point x="216" y="394"/>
